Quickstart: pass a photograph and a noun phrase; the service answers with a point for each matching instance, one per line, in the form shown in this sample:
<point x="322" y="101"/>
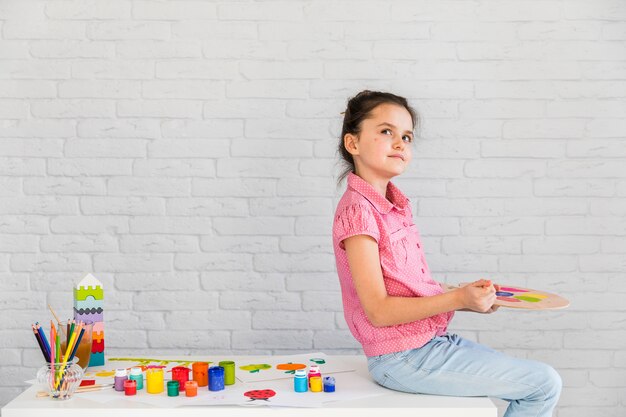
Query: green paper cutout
<point x="255" y="368"/>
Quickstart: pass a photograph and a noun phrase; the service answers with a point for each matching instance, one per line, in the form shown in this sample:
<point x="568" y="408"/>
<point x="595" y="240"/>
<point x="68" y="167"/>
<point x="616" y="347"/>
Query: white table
<point x="399" y="404"/>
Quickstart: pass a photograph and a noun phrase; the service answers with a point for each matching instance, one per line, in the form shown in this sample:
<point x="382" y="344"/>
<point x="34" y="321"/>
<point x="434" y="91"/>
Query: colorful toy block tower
<point x="88" y="306"/>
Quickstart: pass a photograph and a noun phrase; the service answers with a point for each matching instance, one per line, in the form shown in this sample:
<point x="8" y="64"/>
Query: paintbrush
<point x="58" y="321"/>
<point x="87" y="388"/>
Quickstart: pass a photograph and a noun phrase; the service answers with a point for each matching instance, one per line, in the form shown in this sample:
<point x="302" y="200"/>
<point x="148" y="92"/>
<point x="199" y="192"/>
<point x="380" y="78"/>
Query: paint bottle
<point x="229" y="372"/>
<point x="216" y="378"/>
<point x="300" y="381"/>
<point x="137" y="375"/>
<point x="201" y="373"/>
<point x="314" y="370"/>
<point x="180" y="374"/>
<point x="329" y="384"/>
<point x="120" y="377"/>
<point x="172" y="388"/>
<point x="154" y="378"/>
<point x="191" y="388"/>
<point x="130" y="387"/>
<point x="316" y="383"/>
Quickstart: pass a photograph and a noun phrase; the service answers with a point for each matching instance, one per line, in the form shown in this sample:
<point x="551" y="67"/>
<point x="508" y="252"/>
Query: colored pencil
<point x="40" y="343"/>
<point x="80" y="336"/>
<point x="72" y="327"/>
<point x="44" y="340"/>
<point x="57" y="343"/>
<point x="53" y="372"/>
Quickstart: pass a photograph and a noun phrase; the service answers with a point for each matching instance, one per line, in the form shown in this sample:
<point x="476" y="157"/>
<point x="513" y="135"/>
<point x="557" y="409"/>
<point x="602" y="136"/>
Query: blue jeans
<point x="451" y="365"/>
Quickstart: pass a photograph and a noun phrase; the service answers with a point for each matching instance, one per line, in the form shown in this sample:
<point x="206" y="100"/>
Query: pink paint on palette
<point x="511" y="289"/>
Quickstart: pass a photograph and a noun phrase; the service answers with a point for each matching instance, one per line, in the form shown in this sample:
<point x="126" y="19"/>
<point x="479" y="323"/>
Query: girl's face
<point x="382" y="150"/>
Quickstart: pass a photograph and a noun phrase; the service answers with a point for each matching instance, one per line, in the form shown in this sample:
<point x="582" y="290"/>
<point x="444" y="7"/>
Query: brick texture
<point x="184" y="152"/>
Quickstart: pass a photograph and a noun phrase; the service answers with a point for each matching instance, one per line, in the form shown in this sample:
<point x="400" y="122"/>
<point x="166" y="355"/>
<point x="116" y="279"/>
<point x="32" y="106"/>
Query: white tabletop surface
<point x="401" y="404"/>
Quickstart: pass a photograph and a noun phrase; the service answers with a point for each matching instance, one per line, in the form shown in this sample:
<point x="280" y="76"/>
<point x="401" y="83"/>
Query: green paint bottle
<point x="172" y="388"/>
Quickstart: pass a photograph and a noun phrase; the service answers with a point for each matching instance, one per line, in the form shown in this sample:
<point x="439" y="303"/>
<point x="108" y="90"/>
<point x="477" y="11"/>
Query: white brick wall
<point x="184" y="152"/>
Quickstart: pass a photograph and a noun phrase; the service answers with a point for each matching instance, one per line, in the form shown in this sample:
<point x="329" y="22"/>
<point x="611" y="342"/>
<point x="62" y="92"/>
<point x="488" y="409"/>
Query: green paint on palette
<point x="526" y="298"/>
<point x="318" y="361"/>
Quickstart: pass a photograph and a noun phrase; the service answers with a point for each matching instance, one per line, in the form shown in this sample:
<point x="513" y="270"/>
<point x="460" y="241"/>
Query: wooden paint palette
<point x="524" y="298"/>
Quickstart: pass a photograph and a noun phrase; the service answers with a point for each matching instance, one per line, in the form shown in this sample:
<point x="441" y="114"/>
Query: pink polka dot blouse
<point x="363" y="211"/>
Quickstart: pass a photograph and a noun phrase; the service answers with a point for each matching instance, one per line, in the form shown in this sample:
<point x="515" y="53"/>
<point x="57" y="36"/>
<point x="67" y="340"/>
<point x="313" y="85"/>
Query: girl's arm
<point x="385" y="310"/>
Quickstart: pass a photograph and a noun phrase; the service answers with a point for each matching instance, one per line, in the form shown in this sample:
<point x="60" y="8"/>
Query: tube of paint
<point x="180" y="374"/>
<point x="229" y="372"/>
<point x="201" y="373"/>
<point x="154" y="378"/>
<point x="300" y="381"/>
<point x="172" y="388"/>
<point x="130" y="387"/>
<point x="191" y="388"/>
<point x="329" y="384"/>
<point x="316" y="383"/>
<point x="120" y="377"/>
<point x="216" y="378"/>
<point x="137" y="375"/>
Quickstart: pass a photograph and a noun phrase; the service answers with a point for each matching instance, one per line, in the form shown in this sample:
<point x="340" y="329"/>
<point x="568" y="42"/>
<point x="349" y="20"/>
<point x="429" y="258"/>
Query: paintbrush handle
<point x="80" y="389"/>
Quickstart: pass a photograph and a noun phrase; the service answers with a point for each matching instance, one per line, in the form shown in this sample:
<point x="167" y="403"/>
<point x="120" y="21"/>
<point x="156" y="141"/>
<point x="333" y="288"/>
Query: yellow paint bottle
<point x="316" y="384"/>
<point x="154" y="377"/>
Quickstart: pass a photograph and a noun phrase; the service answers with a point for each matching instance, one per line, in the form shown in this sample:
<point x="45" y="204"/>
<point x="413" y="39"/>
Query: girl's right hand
<point x="478" y="296"/>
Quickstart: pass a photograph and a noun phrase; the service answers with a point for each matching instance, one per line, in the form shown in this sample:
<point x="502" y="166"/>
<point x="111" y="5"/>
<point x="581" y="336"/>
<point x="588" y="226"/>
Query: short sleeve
<point x="355" y="219"/>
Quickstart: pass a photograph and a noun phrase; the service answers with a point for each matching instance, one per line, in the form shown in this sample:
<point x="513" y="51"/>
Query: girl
<point x="392" y="305"/>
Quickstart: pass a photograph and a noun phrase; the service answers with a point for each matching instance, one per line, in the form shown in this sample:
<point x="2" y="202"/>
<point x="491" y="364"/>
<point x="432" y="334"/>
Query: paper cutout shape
<point x="290" y="368"/>
<point x="260" y="394"/>
<point x="255" y="368"/>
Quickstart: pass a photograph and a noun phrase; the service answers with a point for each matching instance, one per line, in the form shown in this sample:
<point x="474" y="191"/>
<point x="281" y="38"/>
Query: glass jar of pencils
<point x="60" y="380"/>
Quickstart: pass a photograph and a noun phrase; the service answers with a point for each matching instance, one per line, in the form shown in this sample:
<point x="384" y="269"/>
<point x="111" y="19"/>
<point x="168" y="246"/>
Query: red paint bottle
<point x="180" y="374"/>
<point x="314" y="370"/>
<point x="130" y="387"/>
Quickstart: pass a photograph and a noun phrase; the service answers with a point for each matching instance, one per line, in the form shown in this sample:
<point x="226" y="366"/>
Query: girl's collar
<point x="395" y="197"/>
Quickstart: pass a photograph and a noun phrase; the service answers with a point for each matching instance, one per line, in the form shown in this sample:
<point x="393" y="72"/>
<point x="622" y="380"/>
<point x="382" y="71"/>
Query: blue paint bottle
<point x="300" y="381"/>
<point x="329" y="384"/>
<point x="216" y="378"/>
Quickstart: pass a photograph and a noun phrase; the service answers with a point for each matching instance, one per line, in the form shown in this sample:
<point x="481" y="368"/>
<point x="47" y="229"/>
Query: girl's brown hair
<point x="358" y="109"/>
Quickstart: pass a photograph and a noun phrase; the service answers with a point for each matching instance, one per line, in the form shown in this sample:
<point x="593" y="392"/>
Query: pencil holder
<point x="60" y="380"/>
